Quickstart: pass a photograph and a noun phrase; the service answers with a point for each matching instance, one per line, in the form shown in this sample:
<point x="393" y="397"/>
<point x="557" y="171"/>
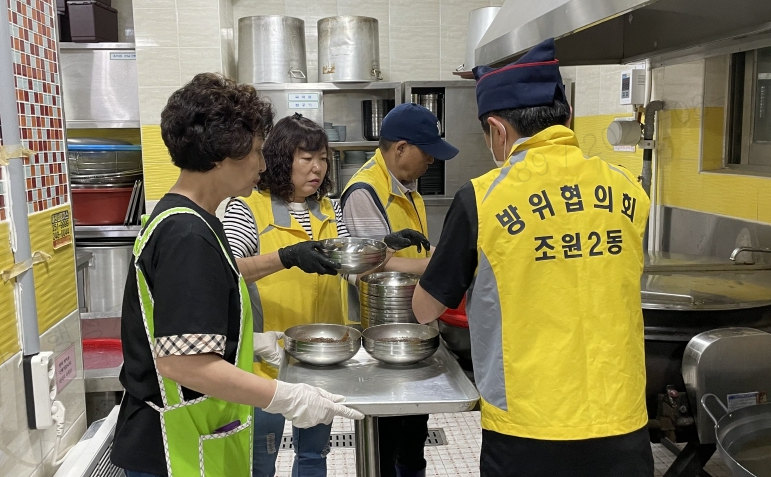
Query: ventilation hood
<point x="620" y="31"/>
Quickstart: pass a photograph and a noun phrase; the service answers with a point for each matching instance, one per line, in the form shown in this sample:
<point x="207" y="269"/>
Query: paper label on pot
<point x="740" y="400"/>
<point x="61" y="229"/>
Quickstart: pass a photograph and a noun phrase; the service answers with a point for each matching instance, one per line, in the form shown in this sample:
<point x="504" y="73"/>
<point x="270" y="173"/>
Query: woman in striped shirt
<point x="278" y="227"/>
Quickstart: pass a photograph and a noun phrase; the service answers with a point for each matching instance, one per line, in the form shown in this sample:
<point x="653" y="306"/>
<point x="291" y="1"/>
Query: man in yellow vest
<point x="549" y="247"/>
<point x="381" y="198"/>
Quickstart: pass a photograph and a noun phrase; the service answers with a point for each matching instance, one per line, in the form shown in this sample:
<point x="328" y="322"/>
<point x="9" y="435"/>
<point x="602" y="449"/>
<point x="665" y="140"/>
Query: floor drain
<point x="436" y="437"/>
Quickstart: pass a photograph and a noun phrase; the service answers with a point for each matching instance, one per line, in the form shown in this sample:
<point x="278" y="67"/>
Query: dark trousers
<point x="402" y="439"/>
<point x="628" y="455"/>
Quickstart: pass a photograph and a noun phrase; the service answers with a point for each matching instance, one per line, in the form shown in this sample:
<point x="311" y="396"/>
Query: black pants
<point x="628" y="455"/>
<point x="402" y="439"/>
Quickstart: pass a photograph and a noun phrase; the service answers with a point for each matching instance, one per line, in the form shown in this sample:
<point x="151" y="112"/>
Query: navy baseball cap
<point x="418" y="126"/>
<point x="533" y="80"/>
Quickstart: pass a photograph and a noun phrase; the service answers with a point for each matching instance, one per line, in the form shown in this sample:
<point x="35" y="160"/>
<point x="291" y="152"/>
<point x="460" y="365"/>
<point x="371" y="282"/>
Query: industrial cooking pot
<point x="271" y="49"/>
<point x="744" y="438"/>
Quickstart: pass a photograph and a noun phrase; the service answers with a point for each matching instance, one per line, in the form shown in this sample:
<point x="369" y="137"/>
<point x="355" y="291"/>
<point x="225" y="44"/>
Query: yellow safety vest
<point x="292" y="297"/>
<point x="400" y="211"/>
<point x="554" y="311"/>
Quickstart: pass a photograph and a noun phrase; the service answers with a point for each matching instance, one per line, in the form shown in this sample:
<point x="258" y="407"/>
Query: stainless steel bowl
<point x="389" y="284"/>
<point x="355" y="255"/>
<point x="400" y="343"/>
<point x="306" y="343"/>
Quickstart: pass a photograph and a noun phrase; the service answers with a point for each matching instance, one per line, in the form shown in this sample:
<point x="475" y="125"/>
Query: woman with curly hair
<point x="291" y="209"/>
<point x="186" y="326"/>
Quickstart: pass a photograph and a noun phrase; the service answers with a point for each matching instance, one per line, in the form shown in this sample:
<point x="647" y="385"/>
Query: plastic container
<point x="100" y="205"/>
<point x="102" y="353"/>
<point x="92" y="21"/>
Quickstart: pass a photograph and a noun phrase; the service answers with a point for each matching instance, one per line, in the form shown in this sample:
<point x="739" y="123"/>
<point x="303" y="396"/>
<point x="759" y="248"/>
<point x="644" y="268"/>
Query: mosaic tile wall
<point x="38" y="96"/>
<point x="3" y="175"/>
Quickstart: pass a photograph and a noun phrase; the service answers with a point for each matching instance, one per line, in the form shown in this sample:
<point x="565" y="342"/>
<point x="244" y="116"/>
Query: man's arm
<point x="453" y="264"/>
<point x="426" y="307"/>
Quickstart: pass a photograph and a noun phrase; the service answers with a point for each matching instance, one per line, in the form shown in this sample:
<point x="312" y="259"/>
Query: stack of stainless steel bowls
<point x="355" y="255"/>
<point x="322" y="344"/>
<point x="401" y="343"/>
<point x="386" y="297"/>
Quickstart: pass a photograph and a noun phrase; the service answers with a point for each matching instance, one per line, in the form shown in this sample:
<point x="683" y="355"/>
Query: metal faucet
<point x="739" y="250"/>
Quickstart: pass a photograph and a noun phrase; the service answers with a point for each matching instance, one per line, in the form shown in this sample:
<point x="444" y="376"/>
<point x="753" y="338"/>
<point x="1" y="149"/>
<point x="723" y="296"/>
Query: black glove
<point x="307" y="257"/>
<point x="406" y="238"/>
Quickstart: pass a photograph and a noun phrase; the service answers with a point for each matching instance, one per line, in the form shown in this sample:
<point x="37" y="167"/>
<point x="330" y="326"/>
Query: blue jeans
<point x="311" y="446"/>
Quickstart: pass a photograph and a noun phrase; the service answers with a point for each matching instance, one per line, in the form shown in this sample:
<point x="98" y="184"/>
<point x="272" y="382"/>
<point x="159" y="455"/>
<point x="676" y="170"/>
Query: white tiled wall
<point x="423" y="40"/>
<point x="25" y="452"/>
<point x="175" y="40"/>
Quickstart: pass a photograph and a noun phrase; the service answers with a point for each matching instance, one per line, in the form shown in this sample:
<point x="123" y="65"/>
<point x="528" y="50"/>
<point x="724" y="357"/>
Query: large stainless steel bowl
<point x="401" y="343"/>
<point x="322" y="344"/>
<point x="389" y="284"/>
<point x="355" y="255"/>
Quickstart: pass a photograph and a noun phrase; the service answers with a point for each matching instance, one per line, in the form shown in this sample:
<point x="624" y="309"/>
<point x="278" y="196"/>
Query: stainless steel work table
<point x="436" y="384"/>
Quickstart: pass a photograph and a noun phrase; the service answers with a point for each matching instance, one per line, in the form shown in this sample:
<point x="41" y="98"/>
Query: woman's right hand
<point x="307" y="406"/>
<point x="307" y="257"/>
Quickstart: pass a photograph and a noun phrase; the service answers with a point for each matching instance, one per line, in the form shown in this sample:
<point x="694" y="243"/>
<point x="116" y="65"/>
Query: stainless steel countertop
<point x="436" y="384"/>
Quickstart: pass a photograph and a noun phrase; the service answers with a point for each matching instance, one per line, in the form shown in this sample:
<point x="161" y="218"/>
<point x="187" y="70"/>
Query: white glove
<point x="266" y="346"/>
<point x="307" y="406"/>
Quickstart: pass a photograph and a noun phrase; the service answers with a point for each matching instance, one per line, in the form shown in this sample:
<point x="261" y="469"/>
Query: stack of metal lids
<point x="386" y="297"/>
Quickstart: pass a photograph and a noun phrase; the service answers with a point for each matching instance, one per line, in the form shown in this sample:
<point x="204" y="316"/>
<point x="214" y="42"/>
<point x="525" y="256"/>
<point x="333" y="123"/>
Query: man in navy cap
<point x="549" y="248"/>
<point x="381" y="198"/>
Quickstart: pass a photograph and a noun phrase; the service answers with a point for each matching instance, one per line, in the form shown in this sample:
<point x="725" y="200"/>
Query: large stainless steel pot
<point x="349" y="49"/>
<point x="479" y="21"/>
<point x="744" y="438"/>
<point x="271" y="49"/>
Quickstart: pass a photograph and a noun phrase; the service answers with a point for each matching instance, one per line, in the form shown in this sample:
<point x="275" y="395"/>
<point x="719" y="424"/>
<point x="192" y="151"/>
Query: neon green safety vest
<point x="191" y="445"/>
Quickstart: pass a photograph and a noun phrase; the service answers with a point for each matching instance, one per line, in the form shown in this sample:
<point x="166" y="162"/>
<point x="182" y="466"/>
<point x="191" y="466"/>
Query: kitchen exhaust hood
<point x="620" y="31"/>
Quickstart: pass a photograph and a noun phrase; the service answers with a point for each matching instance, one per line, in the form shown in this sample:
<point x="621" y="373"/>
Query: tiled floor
<point x="460" y="457"/>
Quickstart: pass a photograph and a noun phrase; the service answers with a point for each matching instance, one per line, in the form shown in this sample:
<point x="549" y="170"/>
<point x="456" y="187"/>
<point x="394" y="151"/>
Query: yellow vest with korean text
<point x="554" y="311"/>
<point x="292" y="297"/>
<point x="400" y="211"/>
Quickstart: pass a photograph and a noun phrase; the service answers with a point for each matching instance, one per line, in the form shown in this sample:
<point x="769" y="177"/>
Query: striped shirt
<point x="241" y="230"/>
<point x="362" y="215"/>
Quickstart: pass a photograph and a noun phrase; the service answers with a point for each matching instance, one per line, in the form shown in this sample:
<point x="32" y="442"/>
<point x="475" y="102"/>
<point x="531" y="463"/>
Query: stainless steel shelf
<point x="106" y="231"/>
<point x="102" y="380"/>
<point x="328" y="87"/>
<point x="100" y="315"/>
<point x="69" y="45"/>
<point x="102" y="124"/>
<point x="353" y="144"/>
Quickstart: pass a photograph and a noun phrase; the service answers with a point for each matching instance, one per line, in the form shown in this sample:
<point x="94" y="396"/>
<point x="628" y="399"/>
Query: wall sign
<point x="61" y="229"/>
<point x="65" y="368"/>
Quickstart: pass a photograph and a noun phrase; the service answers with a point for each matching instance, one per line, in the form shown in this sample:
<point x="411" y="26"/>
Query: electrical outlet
<point x="40" y="381"/>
